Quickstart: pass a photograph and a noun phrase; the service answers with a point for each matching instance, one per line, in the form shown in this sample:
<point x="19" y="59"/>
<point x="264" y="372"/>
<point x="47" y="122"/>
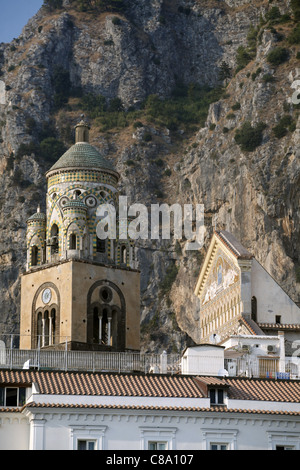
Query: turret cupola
<point x="82" y="132"/>
<point x="36" y="233"/>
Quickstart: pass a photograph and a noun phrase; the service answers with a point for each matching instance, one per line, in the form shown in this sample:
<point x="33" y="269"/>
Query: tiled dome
<point x="38" y="216"/>
<point x="82" y="155"/>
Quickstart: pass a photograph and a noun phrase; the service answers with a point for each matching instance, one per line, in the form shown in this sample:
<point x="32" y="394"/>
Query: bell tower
<point x="78" y="289"/>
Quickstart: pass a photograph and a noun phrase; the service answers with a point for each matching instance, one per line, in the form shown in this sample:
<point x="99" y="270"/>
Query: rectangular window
<point x="12" y="396"/>
<point x="157" y="445"/>
<point x="87" y="438"/>
<point x="284" y="448"/>
<point x="22" y="396"/>
<point x="220" y="396"/>
<point x="216" y="396"/>
<point x="2" y="393"/>
<point x="83" y="444"/>
<point x="217" y="446"/>
<point x="158" y="438"/>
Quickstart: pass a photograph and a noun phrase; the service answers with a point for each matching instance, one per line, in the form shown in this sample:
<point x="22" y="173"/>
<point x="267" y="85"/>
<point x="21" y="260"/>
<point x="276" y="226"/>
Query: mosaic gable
<point x="222" y="275"/>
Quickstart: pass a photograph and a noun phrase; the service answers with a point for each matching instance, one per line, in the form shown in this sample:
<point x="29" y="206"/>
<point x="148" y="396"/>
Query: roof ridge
<point x="233" y="244"/>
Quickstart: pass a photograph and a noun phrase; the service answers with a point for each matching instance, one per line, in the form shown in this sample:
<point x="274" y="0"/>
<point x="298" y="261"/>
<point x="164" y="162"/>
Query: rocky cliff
<point x="192" y="102"/>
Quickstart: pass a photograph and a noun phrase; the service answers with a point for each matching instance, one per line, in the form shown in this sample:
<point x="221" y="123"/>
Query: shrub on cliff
<point x="248" y="137"/>
<point x="278" y="56"/>
<point x="294" y="37"/>
<point x="53" y="4"/>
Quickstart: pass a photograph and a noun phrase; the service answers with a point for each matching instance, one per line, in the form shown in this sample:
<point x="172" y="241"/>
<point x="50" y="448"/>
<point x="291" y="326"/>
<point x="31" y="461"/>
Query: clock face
<point x="46" y="296"/>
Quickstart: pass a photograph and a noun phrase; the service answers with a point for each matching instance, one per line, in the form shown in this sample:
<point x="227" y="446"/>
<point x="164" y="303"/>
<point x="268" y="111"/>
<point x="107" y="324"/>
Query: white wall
<point x="14" y="431"/>
<point x="131" y="430"/>
<point x="271" y="299"/>
<point x="205" y="359"/>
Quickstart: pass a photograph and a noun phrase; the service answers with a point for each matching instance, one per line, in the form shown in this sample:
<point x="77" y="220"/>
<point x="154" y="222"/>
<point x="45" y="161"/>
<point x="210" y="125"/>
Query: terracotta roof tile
<point x="279" y="326"/>
<point x="135" y="385"/>
<point x="212" y="381"/>
<point x="9" y="410"/>
<point x="264" y="389"/>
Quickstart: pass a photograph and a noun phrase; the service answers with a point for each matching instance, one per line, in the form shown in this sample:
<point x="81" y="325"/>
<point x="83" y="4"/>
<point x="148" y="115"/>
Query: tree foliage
<point x="62" y="86"/>
<point x="88" y="5"/>
<point x="53" y="4"/>
<point x="295" y="6"/>
<point x="248" y="137"/>
<point x="278" y="56"/>
<point x="225" y="72"/>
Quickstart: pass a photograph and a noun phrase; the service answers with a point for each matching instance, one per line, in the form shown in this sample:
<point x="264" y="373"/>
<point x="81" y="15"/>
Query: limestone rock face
<point x="130" y="55"/>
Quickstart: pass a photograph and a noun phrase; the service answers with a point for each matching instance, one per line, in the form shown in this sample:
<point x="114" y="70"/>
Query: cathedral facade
<point x="239" y="297"/>
<point x="79" y="289"/>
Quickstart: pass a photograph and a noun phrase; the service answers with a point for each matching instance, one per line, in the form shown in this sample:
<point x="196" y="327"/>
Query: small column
<point x="43" y="332"/>
<point x="109" y="332"/>
<point x="100" y="329"/>
<point x="50" y="330"/>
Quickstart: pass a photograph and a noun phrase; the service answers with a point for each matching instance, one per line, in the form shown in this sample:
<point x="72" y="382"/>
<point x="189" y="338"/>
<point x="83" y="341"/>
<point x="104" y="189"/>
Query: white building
<point x="68" y="410"/>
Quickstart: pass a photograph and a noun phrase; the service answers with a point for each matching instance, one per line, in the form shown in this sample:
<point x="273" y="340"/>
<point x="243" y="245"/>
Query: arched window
<point x="254" y="308"/>
<point x="73" y="241"/>
<point x="109" y="308"/>
<point x="54" y="239"/>
<point x="52" y="327"/>
<point x="96" y="325"/>
<point x="34" y="255"/>
<point x="123" y="254"/>
<point x="46" y="329"/>
<point x="39" y="329"/>
<point x="105" y="333"/>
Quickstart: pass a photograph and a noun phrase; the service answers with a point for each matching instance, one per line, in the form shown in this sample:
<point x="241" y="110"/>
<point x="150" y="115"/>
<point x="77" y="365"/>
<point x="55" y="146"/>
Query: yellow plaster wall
<point x="84" y="277"/>
<point x="73" y="280"/>
<point x="59" y="275"/>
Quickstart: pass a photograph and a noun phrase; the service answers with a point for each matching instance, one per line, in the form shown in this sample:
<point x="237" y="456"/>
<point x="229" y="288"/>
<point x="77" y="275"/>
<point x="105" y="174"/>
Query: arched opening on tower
<point x="45" y="337"/>
<point x="54" y="239"/>
<point x="52" y="327"/>
<point x="34" y="255"/>
<point x="123" y="254"/>
<point x="106" y="317"/>
<point x="105" y="330"/>
<point x="39" y="329"/>
<point x="73" y="241"/>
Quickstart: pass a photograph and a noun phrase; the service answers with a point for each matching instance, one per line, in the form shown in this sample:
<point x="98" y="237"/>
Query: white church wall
<point x="246" y="291"/>
<point x="272" y="301"/>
